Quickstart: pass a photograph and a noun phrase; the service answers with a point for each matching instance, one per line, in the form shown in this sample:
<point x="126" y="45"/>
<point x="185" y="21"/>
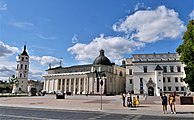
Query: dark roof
<point x="102" y="59"/>
<point x="158" y="67"/>
<point x="24" y="51"/>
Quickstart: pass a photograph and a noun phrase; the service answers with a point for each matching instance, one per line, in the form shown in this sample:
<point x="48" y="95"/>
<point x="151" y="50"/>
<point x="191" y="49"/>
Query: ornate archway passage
<point x="151" y="85"/>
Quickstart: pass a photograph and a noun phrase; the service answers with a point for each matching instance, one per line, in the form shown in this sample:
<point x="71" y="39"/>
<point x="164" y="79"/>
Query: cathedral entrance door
<point x="150" y="91"/>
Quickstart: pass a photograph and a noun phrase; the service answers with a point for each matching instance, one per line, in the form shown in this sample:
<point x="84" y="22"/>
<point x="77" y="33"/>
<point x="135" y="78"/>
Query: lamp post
<point x="100" y="75"/>
<point x="101" y="83"/>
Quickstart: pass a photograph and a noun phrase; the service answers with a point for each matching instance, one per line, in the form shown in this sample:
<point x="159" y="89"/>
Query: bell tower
<point x="22" y="70"/>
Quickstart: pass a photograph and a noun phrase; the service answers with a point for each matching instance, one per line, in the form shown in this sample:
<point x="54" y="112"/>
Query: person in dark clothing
<point x="129" y="102"/>
<point x="123" y="99"/>
<point x="164" y="103"/>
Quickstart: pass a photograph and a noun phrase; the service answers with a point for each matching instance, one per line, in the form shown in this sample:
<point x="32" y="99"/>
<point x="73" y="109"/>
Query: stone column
<point x="79" y="87"/>
<point x="84" y="92"/>
<point x="65" y="86"/>
<point x="74" y="85"/>
<point x="69" y="84"/>
<point x="48" y="84"/>
<point x="61" y="84"/>
<point x="53" y="84"/>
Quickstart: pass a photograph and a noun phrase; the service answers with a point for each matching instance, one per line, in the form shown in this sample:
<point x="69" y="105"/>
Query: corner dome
<point x="102" y="59"/>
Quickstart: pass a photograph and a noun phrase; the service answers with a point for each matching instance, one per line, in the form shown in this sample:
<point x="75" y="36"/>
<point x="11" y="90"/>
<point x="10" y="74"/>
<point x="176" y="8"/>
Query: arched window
<point x="120" y="73"/>
<point x="21" y="67"/>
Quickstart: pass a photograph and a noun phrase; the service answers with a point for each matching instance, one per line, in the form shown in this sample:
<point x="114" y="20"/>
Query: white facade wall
<point x="136" y="65"/>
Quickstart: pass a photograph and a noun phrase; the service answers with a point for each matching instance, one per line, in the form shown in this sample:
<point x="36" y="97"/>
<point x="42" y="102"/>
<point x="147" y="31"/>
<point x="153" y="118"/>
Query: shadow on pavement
<point x="184" y="112"/>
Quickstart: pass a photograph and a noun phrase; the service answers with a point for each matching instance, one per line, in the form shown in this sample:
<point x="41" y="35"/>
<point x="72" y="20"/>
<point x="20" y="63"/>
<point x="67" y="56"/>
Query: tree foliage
<point x="14" y="81"/>
<point x="186" y="52"/>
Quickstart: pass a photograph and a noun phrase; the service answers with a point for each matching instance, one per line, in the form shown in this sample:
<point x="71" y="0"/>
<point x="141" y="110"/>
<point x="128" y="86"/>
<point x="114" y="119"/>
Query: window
<point x="120" y="73"/>
<point x="164" y="79"/>
<point x="130" y="71"/>
<point x="141" y="80"/>
<point x="22" y="58"/>
<point x="24" y="75"/>
<point x="176" y="79"/>
<point x="98" y="84"/>
<point x="145" y="69"/>
<point x="171" y="68"/>
<point x="178" y="68"/>
<point x="169" y="88"/>
<point x="21" y="67"/>
<point x="164" y="88"/>
<point x="177" y="88"/>
<point x="141" y="84"/>
<point x="181" y="79"/>
<point x="182" y="88"/>
<point x="130" y="81"/>
<point x="165" y="69"/>
<point x="25" y="67"/>
<point x="169" y="79"/>
<point x="17" y="66"/>
<point x="20" y="75"/>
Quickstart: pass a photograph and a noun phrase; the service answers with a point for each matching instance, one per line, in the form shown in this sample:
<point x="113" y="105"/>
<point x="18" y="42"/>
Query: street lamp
<point x="100" y="75"/>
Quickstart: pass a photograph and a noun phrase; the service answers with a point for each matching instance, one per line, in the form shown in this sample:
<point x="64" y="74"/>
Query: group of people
<point x="130" y="102"/>
<point x="171" y="100"/>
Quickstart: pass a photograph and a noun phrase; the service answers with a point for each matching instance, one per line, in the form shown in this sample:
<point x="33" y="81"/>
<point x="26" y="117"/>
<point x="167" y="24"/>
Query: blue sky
<point x="75" y="30"/>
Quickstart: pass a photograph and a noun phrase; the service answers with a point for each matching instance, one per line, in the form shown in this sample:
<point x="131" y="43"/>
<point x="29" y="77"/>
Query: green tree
<point x="14" y="81"/>
<point x="186" y="52"/>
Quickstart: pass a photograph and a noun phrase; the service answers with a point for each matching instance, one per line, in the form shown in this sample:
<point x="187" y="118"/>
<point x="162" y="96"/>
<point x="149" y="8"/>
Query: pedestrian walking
<point x="123" y="98"/>
<point x="172" y="103"/>
<point x="164" y="103"/>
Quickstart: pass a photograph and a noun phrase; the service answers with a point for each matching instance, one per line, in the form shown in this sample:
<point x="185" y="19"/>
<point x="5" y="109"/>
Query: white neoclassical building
<point x="87" y="79"/>
<point x="153" y="74"/>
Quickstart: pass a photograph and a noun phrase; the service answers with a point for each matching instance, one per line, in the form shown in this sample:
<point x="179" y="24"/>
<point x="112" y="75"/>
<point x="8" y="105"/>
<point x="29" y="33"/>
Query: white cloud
<point x="115" y="48"/>
<point x="7" y="68"/>
<point x="45" y="38"/>
<point x="23" y="25"/>
<point x="191" y="15"/>
<point x="152" y="25"/>
<point x="139" y="6"/>
<point x="6" y="50"/>
<point x="36" y="74"/>
<point x="3" y="6"/>
<point x="45" y="60"/>
<point x="74" y="39"/>
<point x="6" y="71"/>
